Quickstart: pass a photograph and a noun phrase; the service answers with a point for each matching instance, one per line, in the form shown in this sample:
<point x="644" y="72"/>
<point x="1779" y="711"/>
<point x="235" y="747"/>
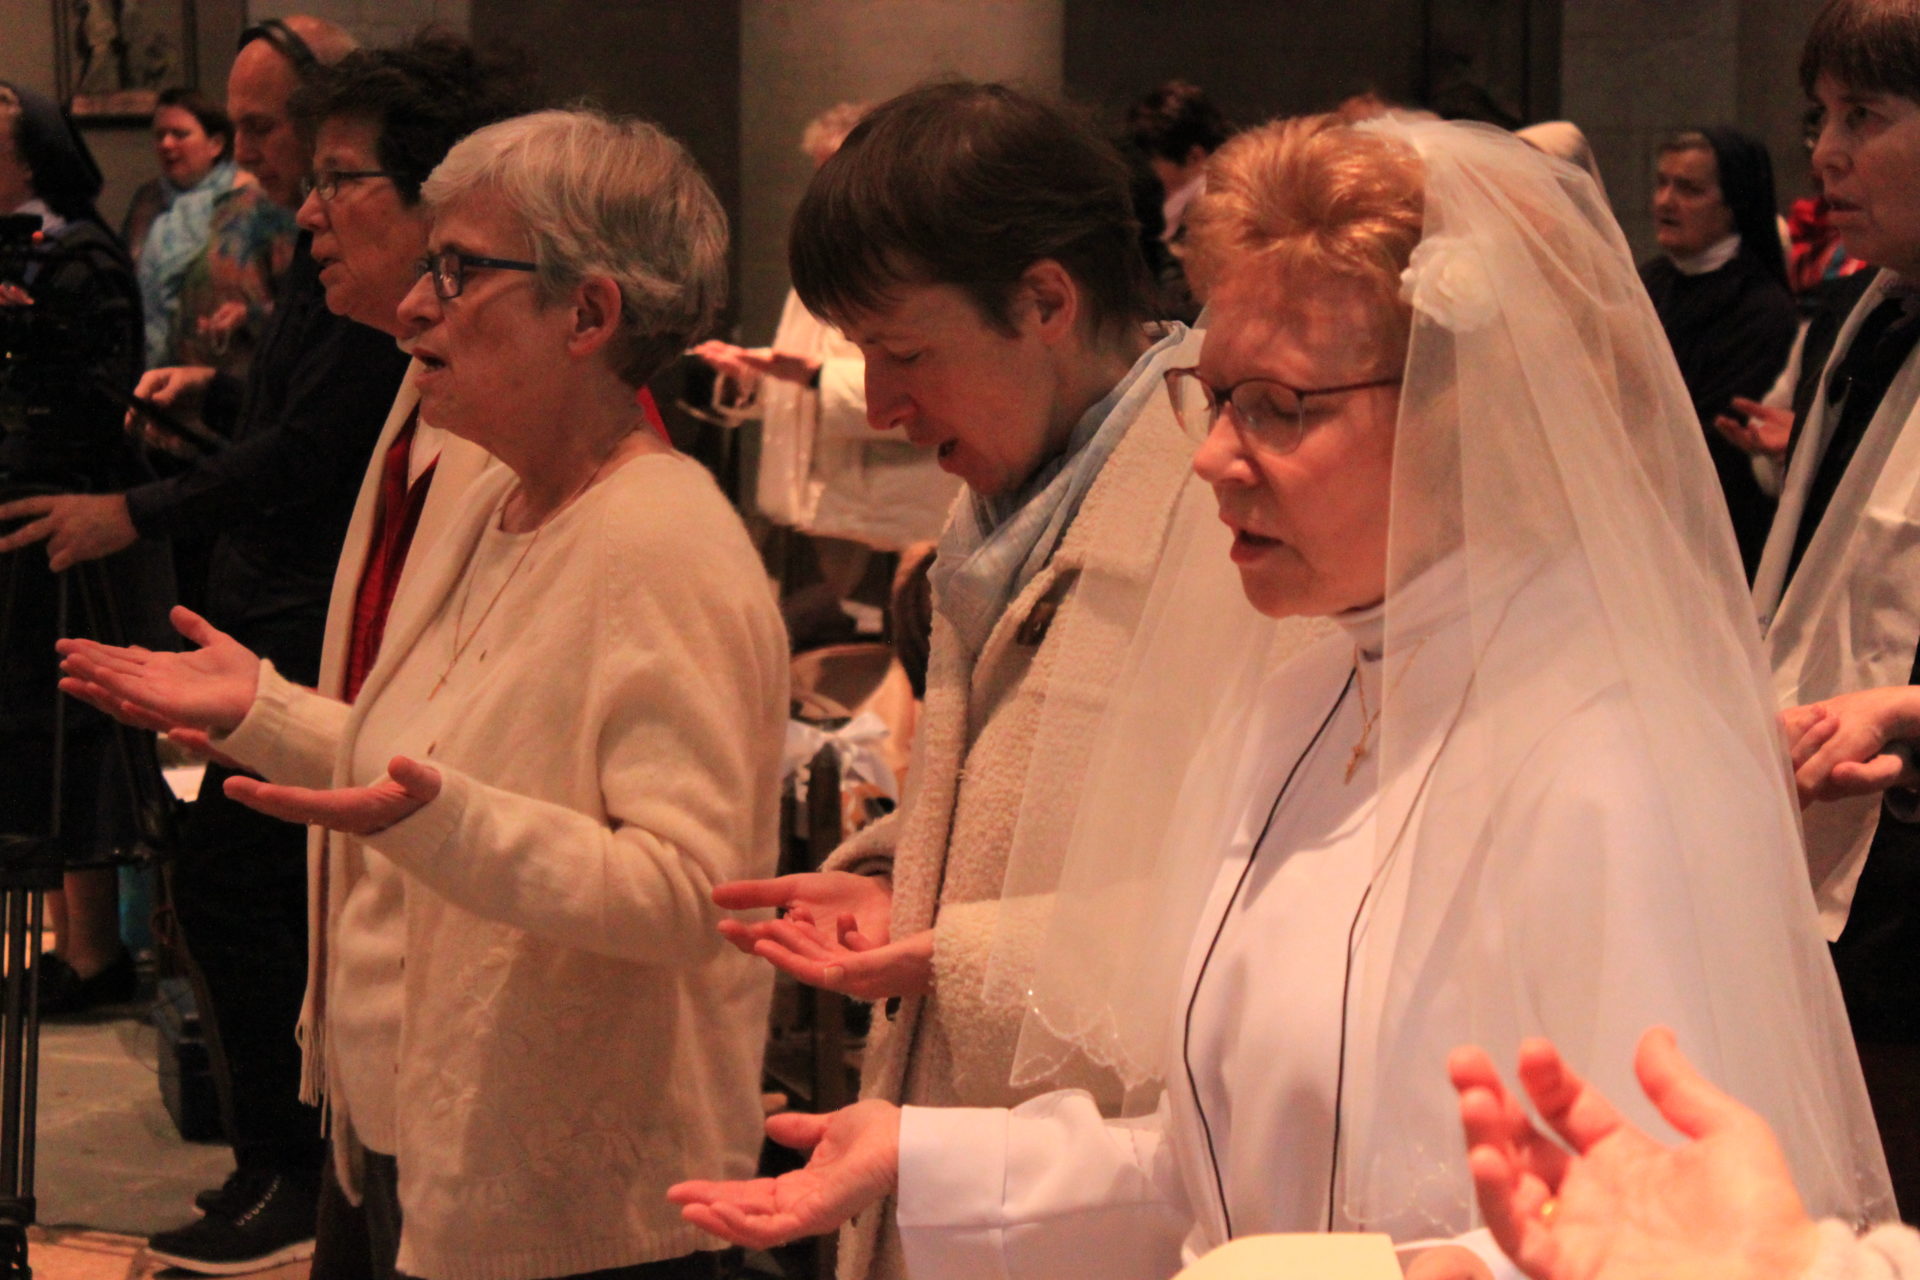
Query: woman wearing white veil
<point x="1532" y="787"/>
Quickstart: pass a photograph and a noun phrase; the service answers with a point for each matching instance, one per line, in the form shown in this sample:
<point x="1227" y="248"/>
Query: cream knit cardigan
<point x="972" y="763"/>
<point x="575" y="1036"/>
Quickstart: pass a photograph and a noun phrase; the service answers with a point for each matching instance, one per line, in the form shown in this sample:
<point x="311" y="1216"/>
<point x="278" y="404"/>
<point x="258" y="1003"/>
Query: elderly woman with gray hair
<point x="528" y="1025"/>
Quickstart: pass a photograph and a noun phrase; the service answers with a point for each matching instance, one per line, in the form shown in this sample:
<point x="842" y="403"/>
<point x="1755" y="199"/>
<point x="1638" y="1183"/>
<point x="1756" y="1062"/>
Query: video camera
<point x="60" y="420"/>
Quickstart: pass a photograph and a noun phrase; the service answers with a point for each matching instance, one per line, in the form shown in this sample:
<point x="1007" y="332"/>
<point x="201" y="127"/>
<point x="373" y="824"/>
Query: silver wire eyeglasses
<point x="325" y="183"/>
<point x="1266" y="412"/>
<point x="448" y="269"/>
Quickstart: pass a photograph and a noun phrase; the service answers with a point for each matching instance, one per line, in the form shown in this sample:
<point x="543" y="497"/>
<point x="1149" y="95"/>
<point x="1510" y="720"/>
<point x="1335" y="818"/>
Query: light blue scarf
<point x="178" y="236"/>
<point x="993" y="547"/>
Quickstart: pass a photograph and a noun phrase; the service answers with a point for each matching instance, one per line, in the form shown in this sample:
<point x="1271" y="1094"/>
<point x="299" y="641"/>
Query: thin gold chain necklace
<point x="460" y="614"/>
<point x="1369" y="718"/>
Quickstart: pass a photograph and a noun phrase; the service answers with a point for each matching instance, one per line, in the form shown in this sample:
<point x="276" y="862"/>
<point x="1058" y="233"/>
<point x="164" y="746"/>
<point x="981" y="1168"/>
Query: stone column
<point x="1631" y="71"/>
<point x="1634" y="70"/>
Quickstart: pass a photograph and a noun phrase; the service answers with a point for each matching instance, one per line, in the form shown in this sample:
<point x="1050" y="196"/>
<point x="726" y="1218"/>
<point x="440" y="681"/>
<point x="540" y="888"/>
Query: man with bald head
<point x="265" y="143"/>
<point x="276" y="502"/>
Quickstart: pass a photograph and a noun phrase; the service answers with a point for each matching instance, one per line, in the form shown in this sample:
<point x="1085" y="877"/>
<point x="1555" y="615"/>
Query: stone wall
<point x="799" y="57"/>
<point x="372" y="21"/>
<point x="738" y="81"/>
<point x="1632" y="71"/>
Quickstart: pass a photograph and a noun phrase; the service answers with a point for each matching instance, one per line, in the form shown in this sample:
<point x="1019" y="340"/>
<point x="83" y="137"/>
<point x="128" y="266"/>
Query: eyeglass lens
<point x="1268" y="411"/>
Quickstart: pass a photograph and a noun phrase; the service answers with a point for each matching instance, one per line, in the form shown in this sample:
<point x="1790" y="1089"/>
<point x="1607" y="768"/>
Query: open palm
<point x="208" y="687"/>
<point x="855" y="1164"/>
<point x="1618" y="1205"/>
<point x="832" y="903"/>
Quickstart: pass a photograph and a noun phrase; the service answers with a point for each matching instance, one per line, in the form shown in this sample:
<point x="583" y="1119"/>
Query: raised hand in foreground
<point x="855" y="1164"/>
<point x="833" y="933"/>
<point x="1618" y="1205"/>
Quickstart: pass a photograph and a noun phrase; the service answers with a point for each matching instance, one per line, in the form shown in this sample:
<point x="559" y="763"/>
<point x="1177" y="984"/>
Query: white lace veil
<point x="1547" y="452"/>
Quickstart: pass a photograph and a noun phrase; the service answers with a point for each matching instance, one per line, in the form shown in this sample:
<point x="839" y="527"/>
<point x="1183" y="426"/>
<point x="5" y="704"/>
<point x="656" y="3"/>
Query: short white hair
<point x="605" y="196"/>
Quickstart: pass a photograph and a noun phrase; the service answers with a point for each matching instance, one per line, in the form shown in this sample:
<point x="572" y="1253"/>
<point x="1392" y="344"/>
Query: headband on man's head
<point x="285" y="40"/>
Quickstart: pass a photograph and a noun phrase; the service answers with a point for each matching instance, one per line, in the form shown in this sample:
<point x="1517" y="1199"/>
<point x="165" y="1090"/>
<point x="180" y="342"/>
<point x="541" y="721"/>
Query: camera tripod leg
<point x="31" y="863"/>
<point x="21" y="909"/>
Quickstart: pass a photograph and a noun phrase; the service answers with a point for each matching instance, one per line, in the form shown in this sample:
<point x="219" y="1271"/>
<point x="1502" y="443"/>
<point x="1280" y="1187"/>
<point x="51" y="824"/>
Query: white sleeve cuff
<point x="428" y="832"/>
<point x="1047" y="1189"/>
<point x="290" y="734"/>
<point x="952" y="1166"/>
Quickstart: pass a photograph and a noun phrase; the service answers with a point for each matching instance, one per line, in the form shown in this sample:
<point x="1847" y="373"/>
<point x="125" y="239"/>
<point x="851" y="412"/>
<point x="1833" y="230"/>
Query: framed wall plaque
<point x="113" y="57"/>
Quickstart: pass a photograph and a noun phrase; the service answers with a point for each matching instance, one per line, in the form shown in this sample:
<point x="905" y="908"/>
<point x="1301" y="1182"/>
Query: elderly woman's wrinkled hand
<point x="359" y="811"/>
<point x="1839" y="746"/>
<point x="855" y="1163"/>
<point x="209" y="687"/>
<point x="1615" y="1204"/>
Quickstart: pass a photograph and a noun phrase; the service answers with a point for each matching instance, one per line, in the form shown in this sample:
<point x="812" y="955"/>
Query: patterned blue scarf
<point x="178" y="236"/>
<point x="993" y="547"/>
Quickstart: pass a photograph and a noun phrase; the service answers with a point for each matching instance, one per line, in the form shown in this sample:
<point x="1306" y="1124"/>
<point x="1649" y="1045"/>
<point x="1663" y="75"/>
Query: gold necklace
<point x="460" y="614"/>
<point x="1368" y="719"/>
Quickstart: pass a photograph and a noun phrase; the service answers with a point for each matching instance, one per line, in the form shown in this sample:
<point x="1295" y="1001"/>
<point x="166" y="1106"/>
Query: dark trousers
<point x="240" y="892"/>
<point x="1892" y="1073"/>
<point x="362" y="1242"/>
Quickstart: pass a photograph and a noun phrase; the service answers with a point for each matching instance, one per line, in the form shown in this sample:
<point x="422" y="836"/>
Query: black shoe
<point x="215" y="1199"/>
<point x="265" y="1219"/>
<point x="64" y="991"/>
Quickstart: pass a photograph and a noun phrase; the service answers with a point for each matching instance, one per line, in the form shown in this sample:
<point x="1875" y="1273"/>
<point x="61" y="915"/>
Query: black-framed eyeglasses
<point x="1266" y="412"/>
<point x="448" y="270"/>
<point x="325" y="183"/>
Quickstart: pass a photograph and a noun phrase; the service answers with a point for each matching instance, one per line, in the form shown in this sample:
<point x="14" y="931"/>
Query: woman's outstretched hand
<point x="358" y="811"/>
<point x="855" y="1164"/>
<point x="209" y="687"/>
<point x="1618" y="1205"/>
<point x="833" y="933"/>
<point x="1756" y="428"/>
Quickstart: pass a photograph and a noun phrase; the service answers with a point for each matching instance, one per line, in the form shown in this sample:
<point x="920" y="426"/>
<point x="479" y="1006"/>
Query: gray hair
<point x="605" y="196"/>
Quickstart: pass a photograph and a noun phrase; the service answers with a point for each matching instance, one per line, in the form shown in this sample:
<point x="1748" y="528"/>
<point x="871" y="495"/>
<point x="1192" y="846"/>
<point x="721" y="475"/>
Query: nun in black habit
<point x="1720" y="288"/>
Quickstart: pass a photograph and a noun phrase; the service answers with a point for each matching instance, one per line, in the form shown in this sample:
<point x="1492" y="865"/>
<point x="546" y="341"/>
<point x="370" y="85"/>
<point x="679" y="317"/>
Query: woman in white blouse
<point x="1530" y="787"/>
<point x="527" y="1024"/>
